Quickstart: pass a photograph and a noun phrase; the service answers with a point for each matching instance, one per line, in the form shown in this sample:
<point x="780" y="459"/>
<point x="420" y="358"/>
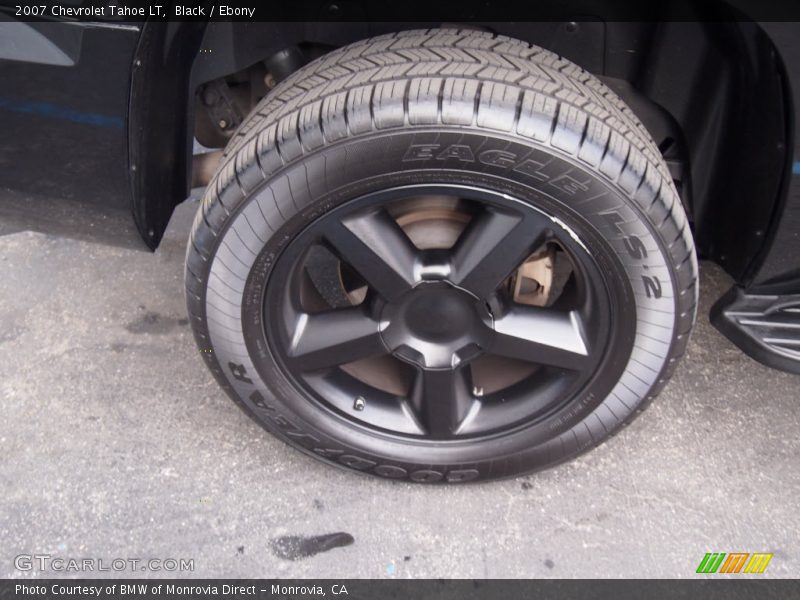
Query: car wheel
<point x="442" y="256"/>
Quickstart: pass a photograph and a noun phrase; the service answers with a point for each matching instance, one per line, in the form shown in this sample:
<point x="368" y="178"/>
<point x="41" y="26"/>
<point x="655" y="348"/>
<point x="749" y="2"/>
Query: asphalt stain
<point x="240" y="549"/>
<point x="549" y="563"/>
<point x="526" y="485"/>
<point x="152" y="322"/>
<point x="406" y="558"/>
<point x="294" y="547"/>
<point x="318" y="504"/>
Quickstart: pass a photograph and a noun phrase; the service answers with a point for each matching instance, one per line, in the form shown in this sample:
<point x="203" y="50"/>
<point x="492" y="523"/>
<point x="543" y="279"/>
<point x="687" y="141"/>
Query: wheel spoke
<point x="493" y="245"/>
<point x="377" y="247"/>
<point x="423" y="338"/>
<point x="543" y="336"/>
<point x="442" y="399"/>
<point x="334" y="338"/>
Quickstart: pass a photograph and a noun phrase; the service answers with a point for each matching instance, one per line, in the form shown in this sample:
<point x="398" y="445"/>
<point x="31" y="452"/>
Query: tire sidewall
<point x="601" y="214"/>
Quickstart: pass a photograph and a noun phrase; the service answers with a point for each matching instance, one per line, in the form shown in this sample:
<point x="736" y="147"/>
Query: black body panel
<point x="778" y="268"/>
<point x="760" y="314"/>
<point x="64" y="126"/>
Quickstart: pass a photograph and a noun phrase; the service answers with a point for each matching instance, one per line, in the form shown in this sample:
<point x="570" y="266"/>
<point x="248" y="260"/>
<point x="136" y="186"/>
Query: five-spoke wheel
<point x="449" y="344"/>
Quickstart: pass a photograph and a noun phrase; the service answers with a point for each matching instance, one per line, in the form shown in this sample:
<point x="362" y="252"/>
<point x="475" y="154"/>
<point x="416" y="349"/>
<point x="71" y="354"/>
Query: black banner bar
<point x="364" y="589"/>
<point x="462" y="11"/>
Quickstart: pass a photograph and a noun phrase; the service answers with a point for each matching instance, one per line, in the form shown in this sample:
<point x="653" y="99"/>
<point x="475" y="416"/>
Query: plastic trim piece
<point x="765" y="327"/>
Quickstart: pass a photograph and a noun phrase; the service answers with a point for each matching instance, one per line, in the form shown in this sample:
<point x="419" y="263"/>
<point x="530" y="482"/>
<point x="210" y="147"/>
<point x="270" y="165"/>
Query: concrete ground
<point x="117" y="443"/>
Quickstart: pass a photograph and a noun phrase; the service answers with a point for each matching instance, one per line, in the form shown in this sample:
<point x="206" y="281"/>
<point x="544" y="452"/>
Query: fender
<point x="161" y="109"/>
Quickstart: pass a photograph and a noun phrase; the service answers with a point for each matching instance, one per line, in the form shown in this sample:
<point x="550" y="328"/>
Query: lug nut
<point x="359" y="404"/>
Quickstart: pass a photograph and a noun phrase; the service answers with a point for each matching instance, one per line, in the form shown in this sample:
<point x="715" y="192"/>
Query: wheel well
<point x="712" y="95"/>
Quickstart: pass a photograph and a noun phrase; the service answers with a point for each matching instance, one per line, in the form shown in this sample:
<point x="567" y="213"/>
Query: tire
<point x="512" y="136"/>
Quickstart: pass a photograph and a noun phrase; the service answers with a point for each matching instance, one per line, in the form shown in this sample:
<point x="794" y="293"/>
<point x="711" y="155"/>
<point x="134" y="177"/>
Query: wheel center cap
<point x="438" y="314"/>
<point x="436" y="325"/>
